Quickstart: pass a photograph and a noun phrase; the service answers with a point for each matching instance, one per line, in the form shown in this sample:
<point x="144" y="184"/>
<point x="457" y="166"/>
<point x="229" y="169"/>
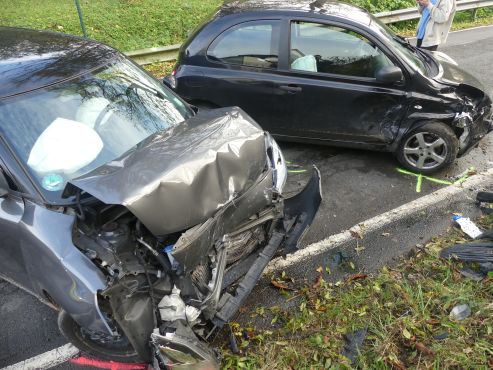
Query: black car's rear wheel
<point x="429" y="148"/>
<point x="99" y="345"/>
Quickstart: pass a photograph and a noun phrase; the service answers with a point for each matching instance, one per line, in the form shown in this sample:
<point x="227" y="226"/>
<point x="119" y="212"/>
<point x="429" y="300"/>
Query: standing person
<point x="435" y="22"/>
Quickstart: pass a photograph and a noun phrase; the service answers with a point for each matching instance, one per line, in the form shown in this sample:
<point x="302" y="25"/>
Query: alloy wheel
<point x="425" y="150"/>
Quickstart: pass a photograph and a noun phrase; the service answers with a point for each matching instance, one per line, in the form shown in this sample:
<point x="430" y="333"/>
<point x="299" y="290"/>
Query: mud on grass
<point x="404" y="308"/>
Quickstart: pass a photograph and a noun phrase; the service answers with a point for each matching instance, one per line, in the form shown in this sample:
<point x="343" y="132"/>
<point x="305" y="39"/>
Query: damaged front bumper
<point x="288" y="230"/>
<point x="475" y="124"/>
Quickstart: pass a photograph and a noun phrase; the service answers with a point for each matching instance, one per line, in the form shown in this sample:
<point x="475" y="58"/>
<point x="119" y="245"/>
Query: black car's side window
<point x="328" y="49"/>
<point x="253" y="44"/>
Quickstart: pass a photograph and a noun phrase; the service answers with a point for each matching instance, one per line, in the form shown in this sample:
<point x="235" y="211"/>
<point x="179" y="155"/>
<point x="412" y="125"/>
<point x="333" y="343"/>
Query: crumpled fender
<point x="57" y="267"/>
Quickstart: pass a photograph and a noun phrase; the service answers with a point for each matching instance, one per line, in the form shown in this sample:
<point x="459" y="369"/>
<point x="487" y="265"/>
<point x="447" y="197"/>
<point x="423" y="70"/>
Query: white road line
<point x="46" y="360"/>
<point x="64" y="353"/>
<point x="380" y="221"/>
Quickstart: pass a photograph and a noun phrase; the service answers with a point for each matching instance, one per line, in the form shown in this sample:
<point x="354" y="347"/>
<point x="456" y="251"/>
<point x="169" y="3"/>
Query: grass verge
<point x="124" y="24"/>
<point x="405" y="310"/>
<point x="137" y="24"/>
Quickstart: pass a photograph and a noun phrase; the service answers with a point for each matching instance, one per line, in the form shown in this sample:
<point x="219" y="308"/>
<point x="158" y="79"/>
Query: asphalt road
<point x="357" y="185"/>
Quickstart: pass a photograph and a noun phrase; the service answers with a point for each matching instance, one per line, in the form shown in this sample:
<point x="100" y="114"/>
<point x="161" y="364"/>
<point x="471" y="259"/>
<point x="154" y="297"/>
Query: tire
<point x="429" y="148"/>
<point x="121" y="351"/>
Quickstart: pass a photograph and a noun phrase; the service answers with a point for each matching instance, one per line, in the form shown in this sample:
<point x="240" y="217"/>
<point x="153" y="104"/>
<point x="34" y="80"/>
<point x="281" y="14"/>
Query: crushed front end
<point x="237" y="254"/>
<point x="183" y="228"/>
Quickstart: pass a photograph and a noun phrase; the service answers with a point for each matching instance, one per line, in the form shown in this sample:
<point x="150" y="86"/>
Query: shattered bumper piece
<point x="299" y="213"/>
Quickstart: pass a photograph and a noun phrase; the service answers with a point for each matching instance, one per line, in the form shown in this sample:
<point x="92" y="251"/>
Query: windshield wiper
<point x="140" y="86"/>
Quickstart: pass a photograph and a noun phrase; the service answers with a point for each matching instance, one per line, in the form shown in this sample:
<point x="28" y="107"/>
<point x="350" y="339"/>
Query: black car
<point x="329" y="72"/>
<point x="126" y="210"/>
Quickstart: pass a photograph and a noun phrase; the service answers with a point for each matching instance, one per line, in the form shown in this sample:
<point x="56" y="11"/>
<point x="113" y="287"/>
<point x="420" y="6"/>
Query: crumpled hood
<point x="179" y="178"/>
<point x="452" y="74"/>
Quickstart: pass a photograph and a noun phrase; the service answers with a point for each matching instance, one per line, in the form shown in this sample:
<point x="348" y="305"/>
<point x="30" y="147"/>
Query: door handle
<point x="293" y="89"/>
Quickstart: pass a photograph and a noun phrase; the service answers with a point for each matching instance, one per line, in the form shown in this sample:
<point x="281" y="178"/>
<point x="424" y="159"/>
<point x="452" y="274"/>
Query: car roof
<point x="31" y="59"/>
<point x="320" y="7"/>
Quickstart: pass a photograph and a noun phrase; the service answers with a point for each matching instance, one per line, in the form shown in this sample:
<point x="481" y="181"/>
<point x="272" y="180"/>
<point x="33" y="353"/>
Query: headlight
<point x="277" y="162"/>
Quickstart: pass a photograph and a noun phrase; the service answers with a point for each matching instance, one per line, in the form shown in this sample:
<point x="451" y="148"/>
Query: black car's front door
<point x="337" y="96"/>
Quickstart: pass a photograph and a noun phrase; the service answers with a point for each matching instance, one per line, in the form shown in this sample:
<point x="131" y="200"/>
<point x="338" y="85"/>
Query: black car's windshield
<point x="71" y="128"/>
<point x="400" y="45"/>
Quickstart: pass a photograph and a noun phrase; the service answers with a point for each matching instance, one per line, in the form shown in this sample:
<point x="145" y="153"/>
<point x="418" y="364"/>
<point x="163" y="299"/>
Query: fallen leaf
<point x="433" y="322"/>
<point x="385" y="234"/>
<point x="423" y="349"/>
<point x="356" y="233"/>
<point x="359" y="248"/>
<point x="357" y="277"/>
<point x="395" y="363"/>
<point x="319" y="269"/>
<point x="278" y="284"/>
<point x="406" y="334"/>
<point x="318" y="281"/>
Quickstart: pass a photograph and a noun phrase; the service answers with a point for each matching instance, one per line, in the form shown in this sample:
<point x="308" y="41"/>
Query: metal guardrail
<point x="169" y="53"/>
<point x="412" y="13"/>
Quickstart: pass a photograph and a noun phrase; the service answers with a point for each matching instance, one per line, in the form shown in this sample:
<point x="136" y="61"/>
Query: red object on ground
<point x="110" y="365"/>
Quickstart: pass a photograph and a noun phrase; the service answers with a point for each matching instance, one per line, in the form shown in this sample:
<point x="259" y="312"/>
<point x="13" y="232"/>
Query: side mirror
<point x="389" y="74"/>
<point x="4" y="185"/>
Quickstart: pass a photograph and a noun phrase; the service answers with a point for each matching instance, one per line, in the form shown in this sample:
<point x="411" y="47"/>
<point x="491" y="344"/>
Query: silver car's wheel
<point x="429" y="148"/>
<point x="425" y="150"/>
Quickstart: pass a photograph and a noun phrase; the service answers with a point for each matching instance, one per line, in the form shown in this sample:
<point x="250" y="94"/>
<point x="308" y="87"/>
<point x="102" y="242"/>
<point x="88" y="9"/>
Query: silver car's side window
<point x="253" y="44"/>
<point x="322" y="48"/>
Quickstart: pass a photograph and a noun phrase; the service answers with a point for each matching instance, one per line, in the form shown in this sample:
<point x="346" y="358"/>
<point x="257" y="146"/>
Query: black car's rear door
<point x="332" y="70"/>
<point x="242" y="70"/>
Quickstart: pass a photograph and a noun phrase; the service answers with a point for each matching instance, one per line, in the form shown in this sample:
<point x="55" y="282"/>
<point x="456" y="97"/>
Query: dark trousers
<point x="431" y="48"/>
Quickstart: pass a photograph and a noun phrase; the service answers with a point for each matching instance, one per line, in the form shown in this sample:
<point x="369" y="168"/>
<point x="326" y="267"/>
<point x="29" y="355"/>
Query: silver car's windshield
<point x="400" y="46"/>
<point x="71" y="128"/>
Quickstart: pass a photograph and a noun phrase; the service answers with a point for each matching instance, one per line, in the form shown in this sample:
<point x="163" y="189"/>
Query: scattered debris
<point x="467" y="226"/>
<point x="353" y="343"/>
<point x="481" y="252"/>
<point x="441" y="336"/>
<point x="471" y="274"/>
<point x="460" y="312"/>
<point x="233" y="344"/>
<point x="485" y="200"/>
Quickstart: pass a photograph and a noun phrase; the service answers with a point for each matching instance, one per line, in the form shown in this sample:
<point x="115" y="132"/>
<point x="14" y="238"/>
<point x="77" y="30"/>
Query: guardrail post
<point x="81" y="18"/>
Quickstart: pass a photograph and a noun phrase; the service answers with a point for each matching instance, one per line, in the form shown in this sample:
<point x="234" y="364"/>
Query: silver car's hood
<point x="179" y="178"/>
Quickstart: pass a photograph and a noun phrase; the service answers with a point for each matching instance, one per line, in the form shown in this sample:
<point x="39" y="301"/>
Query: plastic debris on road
<point x="467" y="226"/>
<point x="460" y="312"/>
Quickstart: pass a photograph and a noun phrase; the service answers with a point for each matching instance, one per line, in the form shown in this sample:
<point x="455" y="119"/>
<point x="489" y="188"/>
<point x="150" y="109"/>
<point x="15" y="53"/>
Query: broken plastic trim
<point x="299" y="213"/>
<point x="184" y="352"/>
<point x="463" y="121"/>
